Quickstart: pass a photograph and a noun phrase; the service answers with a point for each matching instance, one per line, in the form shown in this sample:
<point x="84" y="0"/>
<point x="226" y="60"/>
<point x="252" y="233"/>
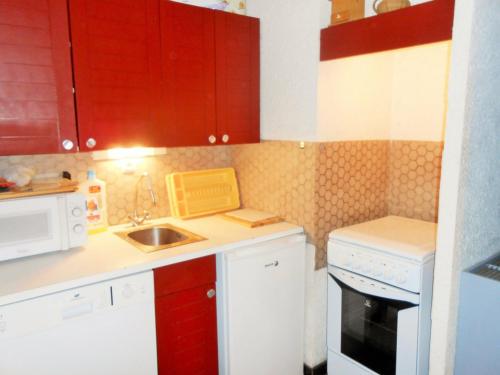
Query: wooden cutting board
<point x="251" y="218"/>
<point x="64" y="187"/>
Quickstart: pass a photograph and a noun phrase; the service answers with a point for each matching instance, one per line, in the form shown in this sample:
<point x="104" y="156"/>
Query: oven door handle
<point x="371" y="287"/>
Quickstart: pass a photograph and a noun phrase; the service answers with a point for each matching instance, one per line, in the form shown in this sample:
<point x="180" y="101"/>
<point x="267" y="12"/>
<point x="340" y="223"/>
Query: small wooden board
<point x="251" y="218"/>
<point x="68" y="187"/>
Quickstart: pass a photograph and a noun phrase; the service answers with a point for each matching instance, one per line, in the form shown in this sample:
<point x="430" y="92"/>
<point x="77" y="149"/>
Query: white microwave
<point x="41" y="224"/>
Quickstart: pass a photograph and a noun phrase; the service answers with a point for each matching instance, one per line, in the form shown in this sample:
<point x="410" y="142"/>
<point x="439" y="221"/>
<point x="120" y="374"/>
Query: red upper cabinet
<point x="210" y="76"/>
<point x="36" y="100"/>
<point x="238" y="78"/>
<point x="116" y="62"/>
<point x="188" y="74"/>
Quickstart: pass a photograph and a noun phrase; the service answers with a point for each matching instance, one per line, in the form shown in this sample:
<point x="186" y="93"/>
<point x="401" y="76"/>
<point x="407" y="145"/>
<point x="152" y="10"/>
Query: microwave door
<point x="29" y="226"/>
<point x="370" y="328"/>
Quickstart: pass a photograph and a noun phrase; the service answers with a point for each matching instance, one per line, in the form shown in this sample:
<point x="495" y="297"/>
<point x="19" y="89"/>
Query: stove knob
<point x="388" y="275"/>
<point x="401" y="278"/>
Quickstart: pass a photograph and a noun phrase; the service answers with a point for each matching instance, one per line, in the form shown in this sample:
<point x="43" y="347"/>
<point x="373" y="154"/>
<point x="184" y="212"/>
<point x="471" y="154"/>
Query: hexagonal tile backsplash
<point x="414" y="176"/>
<point x="121" y="187"/>
<point x="323" y="186"/>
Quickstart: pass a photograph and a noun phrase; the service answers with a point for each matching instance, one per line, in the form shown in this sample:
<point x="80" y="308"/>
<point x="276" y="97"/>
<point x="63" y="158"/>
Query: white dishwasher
<point x="260" y="302"/>
<point x="99" y="329"/>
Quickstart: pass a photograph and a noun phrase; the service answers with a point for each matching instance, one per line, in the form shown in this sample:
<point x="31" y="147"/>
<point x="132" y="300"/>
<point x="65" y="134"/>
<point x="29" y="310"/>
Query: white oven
<point x="379" y="297"/>
<point x="40" y="224"/>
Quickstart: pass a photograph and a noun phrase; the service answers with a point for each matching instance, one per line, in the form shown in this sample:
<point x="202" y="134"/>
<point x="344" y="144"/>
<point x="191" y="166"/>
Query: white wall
<point x="399" y="94"/>
<point x="290" y="32"/>
<point x="354" y="98"/>
<point x="419" y="92"/>
<point x="469" y="225"/>
<point x="315" y="311"/>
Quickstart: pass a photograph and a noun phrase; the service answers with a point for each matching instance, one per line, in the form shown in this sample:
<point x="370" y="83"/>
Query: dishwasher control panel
<point x="131" y="290"/>
<point x="23" y="318"/>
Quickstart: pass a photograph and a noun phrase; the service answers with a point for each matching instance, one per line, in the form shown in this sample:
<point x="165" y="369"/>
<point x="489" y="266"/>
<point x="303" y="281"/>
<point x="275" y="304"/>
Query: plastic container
<point x="201" y="193"/>
<point x="95" y="191"/>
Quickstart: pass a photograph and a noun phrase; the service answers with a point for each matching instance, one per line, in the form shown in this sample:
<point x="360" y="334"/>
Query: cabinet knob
<point x="67" y="144"/>
<point x="91" y="142"/>
<point x="225" y="138"/>
<point x="211" y="293"/>
<point x="212" y="139"/>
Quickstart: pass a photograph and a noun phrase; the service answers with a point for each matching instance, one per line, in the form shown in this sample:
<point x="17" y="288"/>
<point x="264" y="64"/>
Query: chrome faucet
<point x="135" y="218"/>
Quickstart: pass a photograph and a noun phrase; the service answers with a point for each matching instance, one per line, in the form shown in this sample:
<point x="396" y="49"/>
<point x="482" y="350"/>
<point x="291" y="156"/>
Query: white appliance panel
<point x="40" y="224"/>
<point x="263" y="308"/>
<point x="382" y="268"/>
<point x="100" y="329"/>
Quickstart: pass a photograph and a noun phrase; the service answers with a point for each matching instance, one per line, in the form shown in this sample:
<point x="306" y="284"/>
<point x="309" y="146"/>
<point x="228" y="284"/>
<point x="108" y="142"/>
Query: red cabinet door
<point x="237" y="43"/>
<point x="36" y="98"/>
<point x="186" y="326"/>
<point x="116" y="60"/>
<point x="188" y="73"/>
<point x="186" y="318"/>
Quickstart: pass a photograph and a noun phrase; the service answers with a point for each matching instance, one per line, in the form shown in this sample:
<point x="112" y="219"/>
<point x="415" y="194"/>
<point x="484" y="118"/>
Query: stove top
<point x="404" y="237"/>
<point x="395" y="250"/>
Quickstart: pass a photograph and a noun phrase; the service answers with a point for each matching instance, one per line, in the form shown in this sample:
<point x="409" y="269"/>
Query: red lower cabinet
<point x="186" y="318"/>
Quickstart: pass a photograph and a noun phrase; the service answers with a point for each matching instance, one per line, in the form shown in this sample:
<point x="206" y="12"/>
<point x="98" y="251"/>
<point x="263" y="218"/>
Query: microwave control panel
<point x="76" y="219"/>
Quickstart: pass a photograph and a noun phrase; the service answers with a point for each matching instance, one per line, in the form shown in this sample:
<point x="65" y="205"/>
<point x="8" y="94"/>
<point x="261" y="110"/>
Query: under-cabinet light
<point x="128" y="153"/>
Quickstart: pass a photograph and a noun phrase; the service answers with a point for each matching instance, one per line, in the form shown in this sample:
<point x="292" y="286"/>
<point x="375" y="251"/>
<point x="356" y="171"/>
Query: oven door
<point x="372" y="326"/>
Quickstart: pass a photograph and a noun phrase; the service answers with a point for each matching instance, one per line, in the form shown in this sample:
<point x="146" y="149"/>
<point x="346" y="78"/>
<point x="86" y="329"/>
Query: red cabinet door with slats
<point x="188" y="73"/>
<point x="186" y="318"/>
<point x="36" y="98"/>
<point x="116" y="59"/>
<point x="238" y="78"/>
<point x="186" y="326"/>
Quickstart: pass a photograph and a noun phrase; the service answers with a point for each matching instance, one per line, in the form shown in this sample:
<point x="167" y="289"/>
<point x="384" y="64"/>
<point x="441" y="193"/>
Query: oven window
<point x="369" y="329"/>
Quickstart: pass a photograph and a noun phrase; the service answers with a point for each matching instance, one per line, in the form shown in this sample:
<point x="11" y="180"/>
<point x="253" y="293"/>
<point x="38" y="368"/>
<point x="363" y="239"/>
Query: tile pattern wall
<point x="121" y="187"/>
<point x="350" y="187"/>
<point x="414" y="177"/>
<point x="325" y="185"/>
<point x="321" y="187"/>
<point x="278" y="177"/>
<point x="328" y="185"/>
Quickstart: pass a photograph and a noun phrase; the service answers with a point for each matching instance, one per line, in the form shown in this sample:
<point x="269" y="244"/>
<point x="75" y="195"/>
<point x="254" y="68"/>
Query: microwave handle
<point x="371" y="287"/>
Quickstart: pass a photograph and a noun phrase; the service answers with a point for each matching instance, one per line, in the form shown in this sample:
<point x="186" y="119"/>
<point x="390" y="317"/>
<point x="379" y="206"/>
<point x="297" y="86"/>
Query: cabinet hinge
<point x="73" y="89"/>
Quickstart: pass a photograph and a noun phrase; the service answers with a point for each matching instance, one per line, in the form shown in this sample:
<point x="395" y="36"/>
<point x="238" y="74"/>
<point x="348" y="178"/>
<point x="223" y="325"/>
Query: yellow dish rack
<point x="200" y="193"/>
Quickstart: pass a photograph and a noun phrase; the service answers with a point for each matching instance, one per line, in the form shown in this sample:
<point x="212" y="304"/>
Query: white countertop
<point x="107" y="256"/>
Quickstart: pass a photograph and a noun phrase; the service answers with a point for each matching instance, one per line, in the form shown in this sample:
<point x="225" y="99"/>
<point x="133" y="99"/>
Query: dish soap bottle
<point x="95" y="191"/>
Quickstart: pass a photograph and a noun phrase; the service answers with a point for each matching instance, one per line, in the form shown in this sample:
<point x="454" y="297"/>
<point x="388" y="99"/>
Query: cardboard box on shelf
<point x="347" y="10"/>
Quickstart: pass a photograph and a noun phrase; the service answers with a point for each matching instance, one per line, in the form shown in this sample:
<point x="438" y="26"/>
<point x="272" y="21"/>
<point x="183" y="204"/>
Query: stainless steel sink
<point x="158" y="237"/>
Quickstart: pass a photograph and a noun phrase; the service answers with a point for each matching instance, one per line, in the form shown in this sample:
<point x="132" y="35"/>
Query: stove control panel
<point x="390" y="269"/>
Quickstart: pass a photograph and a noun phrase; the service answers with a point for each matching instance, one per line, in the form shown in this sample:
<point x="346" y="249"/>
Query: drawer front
<point x="184" y="275"/>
